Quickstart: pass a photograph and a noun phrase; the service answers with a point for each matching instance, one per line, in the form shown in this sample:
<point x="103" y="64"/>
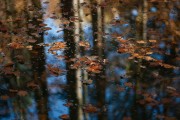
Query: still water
<point x="89" y="60"/>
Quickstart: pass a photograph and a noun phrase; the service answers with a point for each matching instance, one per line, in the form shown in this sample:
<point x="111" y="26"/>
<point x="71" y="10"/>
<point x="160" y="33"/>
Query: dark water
<point x="40" y="79"/>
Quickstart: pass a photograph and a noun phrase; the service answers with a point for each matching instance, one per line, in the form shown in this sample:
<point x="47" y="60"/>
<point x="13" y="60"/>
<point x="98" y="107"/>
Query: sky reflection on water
<point x="125" y="89"/>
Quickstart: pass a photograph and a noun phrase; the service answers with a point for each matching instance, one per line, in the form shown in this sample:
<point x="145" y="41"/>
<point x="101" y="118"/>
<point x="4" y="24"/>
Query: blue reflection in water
<point x="119" y="103"/>
<point x="6" y="110"/>
<point x="173" y="14"/>
<point x="91" y="89"/>
<point x="153" y="9"/>
<point x="134" y="12"/>
<point x="56" y="97"/>
<point x="32" y="111"/>
<point x="88" y="33"/>
<point x="157" y="56"/>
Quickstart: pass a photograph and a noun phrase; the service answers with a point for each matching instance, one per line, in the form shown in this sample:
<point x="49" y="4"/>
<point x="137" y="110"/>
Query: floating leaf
<point x="90" y="108"/>
<point x="22" y="93"/>
<point x="16" y="45"/>
<point x="55" y="70"/>
<point x="65" y="117"/>
<point x="4" y="97"/>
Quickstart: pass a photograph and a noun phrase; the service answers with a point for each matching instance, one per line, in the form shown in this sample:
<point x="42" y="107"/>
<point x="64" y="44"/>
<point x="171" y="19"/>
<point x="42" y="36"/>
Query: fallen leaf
<point x="22" y="93"/>
<point x="65" y="117"/>
<point x="90" y="108"/>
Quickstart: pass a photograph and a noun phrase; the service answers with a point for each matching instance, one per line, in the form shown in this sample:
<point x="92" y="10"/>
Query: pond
<point x="89" y="60"/>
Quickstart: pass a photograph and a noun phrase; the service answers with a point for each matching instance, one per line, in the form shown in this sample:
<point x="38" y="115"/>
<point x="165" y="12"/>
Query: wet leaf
<point x="16" y="45"/>
<point x="128" y="84"/>
<point x="68" y="104"/>
<point x="57" y="46"/>
<point x="90" y="108"/>
<point x="65" y="117"/>
<point x="29" y="47"/>
<point x="4" y="97"/>
<point x="31" y="40"/>
<point x="55" y="70"/>
<point x="141" y="42"/>
<point x="84" y="44"/>
<point x="22" y="93"/>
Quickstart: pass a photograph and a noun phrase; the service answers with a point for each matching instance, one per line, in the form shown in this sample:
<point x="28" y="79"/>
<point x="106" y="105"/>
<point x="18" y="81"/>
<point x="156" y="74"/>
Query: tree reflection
<point x="89" y="59"/>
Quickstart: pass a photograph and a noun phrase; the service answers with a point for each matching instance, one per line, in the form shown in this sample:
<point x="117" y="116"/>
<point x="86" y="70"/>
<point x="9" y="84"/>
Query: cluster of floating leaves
<point x="10" y="71"/>
<point x="90" y="63"/>
<point x="140" y="49"/>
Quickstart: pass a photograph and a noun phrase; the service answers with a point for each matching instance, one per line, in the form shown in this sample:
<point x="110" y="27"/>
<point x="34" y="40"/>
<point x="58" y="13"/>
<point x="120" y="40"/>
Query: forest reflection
<point x="89" y="60"/>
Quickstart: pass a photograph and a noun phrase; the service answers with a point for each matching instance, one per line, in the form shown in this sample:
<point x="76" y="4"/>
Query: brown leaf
<point x="4" y="97"/>
<point x="68" y="104"/>
<point x="55" y="70"/>
<point x="84" y="44"/>
<point x="128" y="84"/>
<point x="65" y="117"/>
<point x="22" y="93"/>
<point x="58" y="46"/>
<point x="16" y="45"/>
<point x="90" y="108"/>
